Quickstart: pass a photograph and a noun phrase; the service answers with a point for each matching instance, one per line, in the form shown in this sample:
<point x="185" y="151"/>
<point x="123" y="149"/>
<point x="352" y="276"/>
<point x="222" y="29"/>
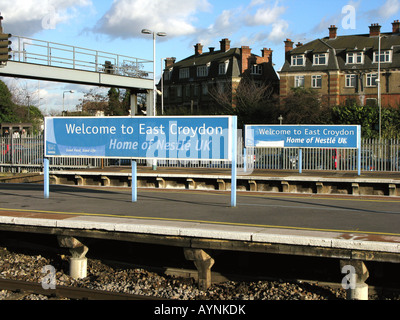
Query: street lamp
<point x="160" y="34"/>
<point x="68" y="91"/>
<point x="379" y="86"/>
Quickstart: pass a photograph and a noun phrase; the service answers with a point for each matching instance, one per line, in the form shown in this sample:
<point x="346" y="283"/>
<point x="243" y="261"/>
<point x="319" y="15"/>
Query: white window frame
<point x="350" y="78"/>
<point x="223" y="67"/>
<point x="256" y="69"/>
<point x="299" y="81"/>
<point x="202" y="71"/>
<point x="187" y="91"/>
<point x="184" y="73"/>
<point x="386" y="54"/>
<point x="370" y="79"/>
<point x="355" y="58"/>
<point x="318" y="57"/>
<point x="179" y="91"/>
<point x="204" y="89"/>
<point x="315" y="79"/>
<point x="168" y="74"/>
<point x="297" y="58"/>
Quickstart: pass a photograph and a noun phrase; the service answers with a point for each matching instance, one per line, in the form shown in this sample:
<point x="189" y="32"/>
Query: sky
<point x="115" y="26"/>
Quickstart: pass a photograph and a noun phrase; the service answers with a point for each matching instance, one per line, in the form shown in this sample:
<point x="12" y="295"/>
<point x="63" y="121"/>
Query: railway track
<point x="21" y="289"/>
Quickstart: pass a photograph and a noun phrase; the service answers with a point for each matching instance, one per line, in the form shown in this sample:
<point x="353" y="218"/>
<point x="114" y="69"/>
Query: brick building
<point x="187" y="84"/>
<point x="346" y="67"/>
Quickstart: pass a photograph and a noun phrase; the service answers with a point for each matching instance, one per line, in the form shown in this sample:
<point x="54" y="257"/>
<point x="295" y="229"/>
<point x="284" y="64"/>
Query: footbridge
<point x="49" y="61"/>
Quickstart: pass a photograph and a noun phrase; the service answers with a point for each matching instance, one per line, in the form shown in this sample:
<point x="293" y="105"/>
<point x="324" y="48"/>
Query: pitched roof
<point x="342" y="45"/>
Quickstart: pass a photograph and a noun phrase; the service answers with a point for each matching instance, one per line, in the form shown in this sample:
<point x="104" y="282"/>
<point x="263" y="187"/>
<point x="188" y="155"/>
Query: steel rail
<point x="74" y="293"/>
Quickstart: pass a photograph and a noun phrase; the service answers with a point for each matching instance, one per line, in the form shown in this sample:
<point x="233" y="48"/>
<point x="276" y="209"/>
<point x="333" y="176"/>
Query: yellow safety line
<point x="202" y="221"/>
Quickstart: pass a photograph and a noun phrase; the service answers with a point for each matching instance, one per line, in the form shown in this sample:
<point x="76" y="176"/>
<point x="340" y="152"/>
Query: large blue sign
<point x="303" y="136"/>
<point x="205" y="138"/>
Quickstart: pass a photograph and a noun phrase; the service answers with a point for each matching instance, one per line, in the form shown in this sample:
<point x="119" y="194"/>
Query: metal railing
<point x="61" y="55"/>
<point x="26" y="153"/>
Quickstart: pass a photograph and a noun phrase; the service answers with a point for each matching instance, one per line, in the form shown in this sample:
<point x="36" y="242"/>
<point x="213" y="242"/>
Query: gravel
<point x="17" y="266"/>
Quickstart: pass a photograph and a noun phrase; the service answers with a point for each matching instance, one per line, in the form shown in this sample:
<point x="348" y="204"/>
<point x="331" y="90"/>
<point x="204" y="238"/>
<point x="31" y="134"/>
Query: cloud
<point x="242" y="20"/>
<point x="27" y="17"/>
<point x="387" y="10"/>
<point x="126" y="18"/>
<point x="265" y="16"/>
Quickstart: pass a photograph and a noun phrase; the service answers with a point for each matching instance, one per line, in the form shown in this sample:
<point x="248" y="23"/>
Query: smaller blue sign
<point x="303" y="136"/>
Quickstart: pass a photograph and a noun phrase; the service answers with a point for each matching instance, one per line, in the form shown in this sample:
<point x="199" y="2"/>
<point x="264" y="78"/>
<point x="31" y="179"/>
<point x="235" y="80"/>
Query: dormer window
<point x="202" y="71"/>
<point x="320" y="59"/>
<point x="168" y="74"/>
<point x="298" y="60"/>
<point x="386" y="56"/>
<point x="223" y="67"/>
<point x="256" y="69"/>
<point x="184" y="73"/>
<point x="355" y="58"/>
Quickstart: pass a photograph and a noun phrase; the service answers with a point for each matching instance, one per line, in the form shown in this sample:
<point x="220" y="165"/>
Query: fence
<point x="26" y="154"/>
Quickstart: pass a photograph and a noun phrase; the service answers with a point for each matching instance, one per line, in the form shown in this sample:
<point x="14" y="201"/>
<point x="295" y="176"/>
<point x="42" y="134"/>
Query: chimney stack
<point x="169" y="62"/>
<point x="267" y="54"/>
<point x="246" y="54"/>
<point x="288" y="45"/>
<point x="396" y="26"/>
<point x="198" y="49"/>
<point x="333" y="32"/>
<point x="225" y="45"/>
<point x="374" y="30"/>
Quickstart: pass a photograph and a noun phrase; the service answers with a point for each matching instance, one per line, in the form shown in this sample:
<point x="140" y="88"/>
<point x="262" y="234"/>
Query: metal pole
<point x="154" y="75"/>
<point x="379" y="89"/>
<point x="234" y="164"/>
<point x="162" y="87"/>
<point x="46" y="178"/>
<point x="134" y="181"/>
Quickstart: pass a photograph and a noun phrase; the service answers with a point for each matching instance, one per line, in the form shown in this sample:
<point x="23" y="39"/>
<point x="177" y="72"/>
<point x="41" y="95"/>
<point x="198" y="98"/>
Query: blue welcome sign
<point x="197" y="138"/>
<point x="303" y="136"/>
<point x="193" y="138"/>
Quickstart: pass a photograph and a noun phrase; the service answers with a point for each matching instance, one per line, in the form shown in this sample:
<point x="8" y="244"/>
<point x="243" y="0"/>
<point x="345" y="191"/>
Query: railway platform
<point x="351" y="228"/>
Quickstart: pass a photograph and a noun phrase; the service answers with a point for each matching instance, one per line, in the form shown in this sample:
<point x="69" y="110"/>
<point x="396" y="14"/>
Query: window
<point x="168" y="74"/>
<point x="298" y="60"/>
<point x="316" y="81"/>
<point x="202" y="71"/>
<point x="320" y="59"/>
<point x="355" y="58"/>
<point x="223" y="67"/>
<point x="351" y="80"/>
<point x="184" y="73"/>
<point x="187" y="91"/>
<point x="179" y="91"/>
<point x="371" y="79"/>
<point x="196" y="90"/>
<point x="256" y="69"/>
<point x="386" y="56"/>
<point x="298" y="81"/>
<point x="204" y="88"/>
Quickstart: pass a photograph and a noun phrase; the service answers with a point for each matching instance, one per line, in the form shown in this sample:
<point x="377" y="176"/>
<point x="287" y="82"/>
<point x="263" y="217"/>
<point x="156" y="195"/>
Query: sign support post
<point x="300" y="160"/>
<point x="46" y="176"/>
<point x="359" y="151"/>
<point x="234" y="162"/>
<point x="134" y="181"/>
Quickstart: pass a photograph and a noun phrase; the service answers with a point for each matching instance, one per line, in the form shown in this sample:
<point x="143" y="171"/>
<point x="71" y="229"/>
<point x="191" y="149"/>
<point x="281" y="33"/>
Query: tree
<point x="118" y="103"/>
<point x="303" y="106"/>
<point x="368" y="117"/>
<point x="6" y="105"/>
<point x="252" y="102"/>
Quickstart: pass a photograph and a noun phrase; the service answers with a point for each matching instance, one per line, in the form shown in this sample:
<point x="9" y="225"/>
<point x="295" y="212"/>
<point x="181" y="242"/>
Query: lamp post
<point x="155" y="34"/>
<point x="68" y="91"/>
<point x="379" y="86"/>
